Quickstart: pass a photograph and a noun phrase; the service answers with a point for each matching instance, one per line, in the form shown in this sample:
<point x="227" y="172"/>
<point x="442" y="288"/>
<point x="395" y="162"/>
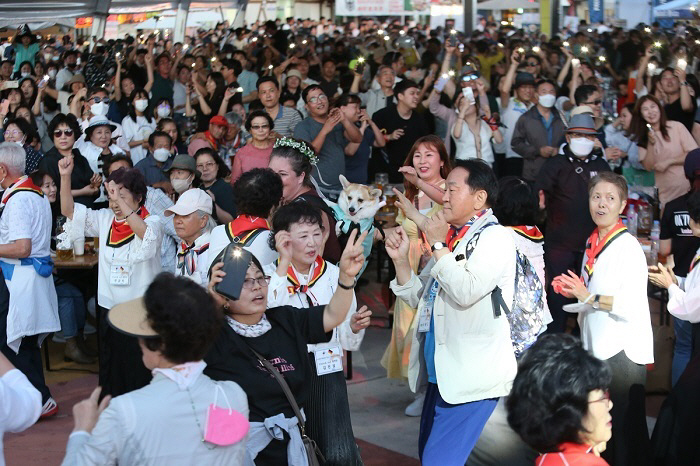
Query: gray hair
<point x="13" y="157"/>
<point x="211" y="223"/>
<point x="234" y="118"/>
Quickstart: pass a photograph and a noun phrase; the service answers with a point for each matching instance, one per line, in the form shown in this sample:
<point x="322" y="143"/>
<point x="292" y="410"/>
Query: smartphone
<point x="11" y="84"/>
<point x="236" y="261"/>
<point x="469" y="94"/>
<point x="360" y="66"/>
<point x="453" y="38"/>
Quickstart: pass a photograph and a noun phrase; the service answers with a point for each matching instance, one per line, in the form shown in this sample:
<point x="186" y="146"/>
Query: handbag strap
<point x="285" y="388"/>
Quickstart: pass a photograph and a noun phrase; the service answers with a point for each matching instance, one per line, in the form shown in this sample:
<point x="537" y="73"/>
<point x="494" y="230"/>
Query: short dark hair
<point x="347" y="99"/>
<point x="583" y="92"/>
<point x="159" y="134"/>
<point x="308" y="89"/>
<point x="517" y="204"/>
<point x="549" y="398"/>
<point x="267" y="79"/>
<point x="257" y="114"/>
<point x="117" y="158"/>
<point x="23" y="126"/>
<point x="299" y="162"/>
<point x="63" y="119"/>
<point x="132" y="180"/>
<point x="183" y="335"/>
<point x="294" y="212"/>
<point x="404" y="85"/>
<point x="611" y="177"/>
<point x="257" y="192"/>
<point x="694" y="206"/>
<point x="222" y="170"/>
<point x="233" y="64"/>
<point x="480" y="176"/>
<point x="326" y="60"/>
<point x="545" y="81"/>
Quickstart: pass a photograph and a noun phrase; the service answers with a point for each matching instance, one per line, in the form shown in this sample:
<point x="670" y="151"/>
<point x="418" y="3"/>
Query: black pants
<point x="28" y="359"/>
<point x="557" y="262"/>
<point x="512" y="167"/>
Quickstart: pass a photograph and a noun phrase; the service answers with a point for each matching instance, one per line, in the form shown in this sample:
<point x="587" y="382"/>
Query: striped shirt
<point x="287" y="119"/>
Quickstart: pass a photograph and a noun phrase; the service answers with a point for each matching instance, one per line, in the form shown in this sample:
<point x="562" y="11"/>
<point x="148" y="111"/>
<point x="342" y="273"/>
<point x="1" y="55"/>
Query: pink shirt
<point x="249" y="157"/>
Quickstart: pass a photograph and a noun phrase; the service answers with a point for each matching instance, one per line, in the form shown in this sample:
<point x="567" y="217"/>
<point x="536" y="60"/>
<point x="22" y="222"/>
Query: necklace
<point x="194" y="411"/>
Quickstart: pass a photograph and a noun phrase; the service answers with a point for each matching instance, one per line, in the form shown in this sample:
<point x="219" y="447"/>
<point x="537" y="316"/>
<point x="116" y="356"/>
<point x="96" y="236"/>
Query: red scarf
<point x="120" y="233"/>
<point x="214" y="143"/>
<point x="455" y="235"/>
<point x="319" y="269"/>
<point x="595" y="246"/>
<point x="696" y="259"/>
<point x="532" y="233"/>
<point x="244" y="226"/>
<point x="23" y="184"/>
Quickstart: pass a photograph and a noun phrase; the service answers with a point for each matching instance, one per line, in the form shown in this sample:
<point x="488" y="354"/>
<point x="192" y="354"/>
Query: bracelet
<point x="345" y="287"/>
<point x="590" y="295"/>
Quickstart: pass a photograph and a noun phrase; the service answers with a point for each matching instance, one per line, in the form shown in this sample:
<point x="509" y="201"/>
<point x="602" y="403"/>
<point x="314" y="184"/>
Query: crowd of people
<point x="204" y="169"/>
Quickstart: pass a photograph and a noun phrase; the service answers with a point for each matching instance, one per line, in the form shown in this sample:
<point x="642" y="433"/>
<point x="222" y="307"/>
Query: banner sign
<point x="380" y="7"/>
<point x="595" y="11"/>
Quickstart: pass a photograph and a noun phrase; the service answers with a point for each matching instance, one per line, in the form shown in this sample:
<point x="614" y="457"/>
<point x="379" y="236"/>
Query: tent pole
<point x="181" y="21"/>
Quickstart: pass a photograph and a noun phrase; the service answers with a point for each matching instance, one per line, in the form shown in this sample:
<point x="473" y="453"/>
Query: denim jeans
<point x="71" y="308"/>
<point x="682" y="349"/>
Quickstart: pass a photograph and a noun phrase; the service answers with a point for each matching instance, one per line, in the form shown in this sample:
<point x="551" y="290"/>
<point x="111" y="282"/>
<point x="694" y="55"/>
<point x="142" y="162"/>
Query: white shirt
<point x="684" y="298"/>
<point x="509" y="117"/>
<point x="179" y="95"/>
<point x="20" y="404"/>
<point x="92" y="153"/>
<point x="621" y="272"/>
<point x="200" y="251"/>
<point x="466" y="144"/>
<point x="142" y="256"/>
<point x="138" y="130"/>
<point x="319" y="294"/>
<point x="117" y="134"/>
<point x="259" y="247"/>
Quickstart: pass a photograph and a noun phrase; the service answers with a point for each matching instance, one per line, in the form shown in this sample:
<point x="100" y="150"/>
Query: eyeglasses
<point x="257" y="127"/>
<point x="14" y="132"/>
<point x="249" y="283"/>
<point x="606" y="395"/>
<point x="60" y="132"/>
<point x="532" y="63"/>
<point x="97" y="100"/>
<point x="201" y="166"/>
<point x="470" y="77"/>
<point x="594" y="102"/>
<point x="318" y="98"/>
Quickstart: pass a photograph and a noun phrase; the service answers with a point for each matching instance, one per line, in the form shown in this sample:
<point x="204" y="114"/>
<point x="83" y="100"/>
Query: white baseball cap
<point x="191" y="201"/>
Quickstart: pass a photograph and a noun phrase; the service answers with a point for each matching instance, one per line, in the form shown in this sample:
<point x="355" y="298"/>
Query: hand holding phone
<point x="441" y="82"/>
<point x="236" y="261"/>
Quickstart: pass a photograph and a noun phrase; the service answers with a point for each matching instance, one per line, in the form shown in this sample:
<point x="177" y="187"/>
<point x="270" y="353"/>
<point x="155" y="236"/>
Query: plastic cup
<point x="79" y="247"/>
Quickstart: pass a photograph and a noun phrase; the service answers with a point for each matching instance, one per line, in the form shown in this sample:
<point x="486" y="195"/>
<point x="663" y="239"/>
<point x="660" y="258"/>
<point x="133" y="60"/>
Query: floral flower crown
<point x="301" y="146"/>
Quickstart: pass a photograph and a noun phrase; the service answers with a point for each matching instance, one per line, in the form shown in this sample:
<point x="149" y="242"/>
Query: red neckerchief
<point x="530" y="232"/>
<point x="319" y="269"/>
<point x="696" y="259"/>
<point x="595" y="246"/>
<point x="214" y="143"/>
<point x="570" y="448"/>
<point x="23" y="184"/>
<point x="455" y="235"/>
<point x="120" y="233"/>
<point x="243" y="226"/>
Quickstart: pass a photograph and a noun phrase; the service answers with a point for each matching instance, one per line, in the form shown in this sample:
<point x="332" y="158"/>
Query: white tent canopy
<point x="507" y="5"/>
<point x="676" y="5"/>
<point x="194" y="18"/>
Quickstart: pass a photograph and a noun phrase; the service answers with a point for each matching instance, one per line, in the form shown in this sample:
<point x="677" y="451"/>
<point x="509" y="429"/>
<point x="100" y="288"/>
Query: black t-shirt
<point x="284" y="345"/>
<point x="389" y="120"/>
<point x="330" y="88"/>
<point x="675" y="112"/>
<point x="223" y="192"/>
<point x="675" y="225"/>
<point x="569" y="222"/>
<point x="82" y="173"/>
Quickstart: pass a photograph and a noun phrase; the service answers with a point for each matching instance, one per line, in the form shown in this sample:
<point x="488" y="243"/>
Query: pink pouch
<point x="224" y="426"/>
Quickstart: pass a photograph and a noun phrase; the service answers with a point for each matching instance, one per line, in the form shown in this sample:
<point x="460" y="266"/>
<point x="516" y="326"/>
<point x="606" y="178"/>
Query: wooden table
<point x="86" y="261"/>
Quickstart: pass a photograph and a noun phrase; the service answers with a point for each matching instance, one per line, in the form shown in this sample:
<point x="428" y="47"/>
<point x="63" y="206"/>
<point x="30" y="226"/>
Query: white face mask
<point x="47" y="56"/>
<point x="100" y="109"/>
<point x="581" y="147"/>
<point x="547" y="100"/>
<point x="25" y="74"/>
<point x="163" y="112"/>
<point x="52" y="73"/>
<point x="161" y="155"/>
<point x="141" y="104"/>
<point x="180" y="186"/>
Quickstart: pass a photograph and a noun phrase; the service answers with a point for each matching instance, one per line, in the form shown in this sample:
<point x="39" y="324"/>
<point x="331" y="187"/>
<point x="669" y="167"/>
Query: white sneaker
<point x="415" y="409"/>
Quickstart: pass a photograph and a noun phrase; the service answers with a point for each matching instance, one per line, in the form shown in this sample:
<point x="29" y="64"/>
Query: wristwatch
<point x="596" y="302"/>
<point x="437" y="246"/>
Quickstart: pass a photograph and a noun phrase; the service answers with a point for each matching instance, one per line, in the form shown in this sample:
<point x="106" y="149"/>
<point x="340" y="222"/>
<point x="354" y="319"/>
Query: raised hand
<point x="87" y="412"/>
<point x="353" y="257"/>
<point x="360" y="320"/>
<point x="283" y="244"/>
<point x="435" y="228"/>
<point x="65" y="166"/>
<point x="397" y="245"/>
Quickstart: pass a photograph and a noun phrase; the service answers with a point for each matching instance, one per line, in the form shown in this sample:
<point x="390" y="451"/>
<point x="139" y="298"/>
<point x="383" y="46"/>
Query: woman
<point x="472" y="135"/>
<point x="163" y="108"/>
<point x="291" y="92"/>
<point x="255" y="154"/>
<point x="425" y="169"/>
<point x="299" y="240"/>
<point x="71" y="303"/>
<point x="559" y="403"/>
<point x="167" y="421"/>
<point x="213" y="171"/>
<point x="280" y="335"/>
<point x="41" y="138"/>
<point x="168" y="125"/>
<point x="85" y="184"/>
<point x="617" y="135"/>
<point x="17" y="130"/>
<point x="662" y="149"/>
<point x="29" y="90"/>
<point x="614" y="318"/>
<point x="130" y="241"/>
<point x="209" y="98"/>
<point x="293" y="160"/>
<point x="138" y="125"/>
<point x="39" y="70"/>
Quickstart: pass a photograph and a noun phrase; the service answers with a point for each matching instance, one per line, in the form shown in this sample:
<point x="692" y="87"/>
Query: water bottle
<point x="632" y="220"/>
<point x="655" y="235"/>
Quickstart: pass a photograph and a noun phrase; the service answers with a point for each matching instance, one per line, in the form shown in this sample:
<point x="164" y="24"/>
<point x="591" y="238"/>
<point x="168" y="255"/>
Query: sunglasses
<point x="60" y="132"/>
<point x="470" y="77"/>
<point x="257" y="127"/>
<point x="532" y="63"/>
<point x="594" y="102"/>
<point x="97" y="100"/>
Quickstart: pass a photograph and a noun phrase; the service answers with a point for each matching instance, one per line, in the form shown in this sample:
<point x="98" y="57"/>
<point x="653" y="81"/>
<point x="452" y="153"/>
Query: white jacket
<point x="474" y="357"/>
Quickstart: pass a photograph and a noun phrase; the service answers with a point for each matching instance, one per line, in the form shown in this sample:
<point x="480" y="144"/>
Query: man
<point x="397" y="63"/>
<point x="539" y="131"/>
<point x="231" y="69"/>
<point x="156" y="203"/>
<point x="357" y="155"/>
<point x="210" y="138"/>
<point x="28" y="303"/>
<point x="247" y="79"/>
<point x="511" y="110"/>
<point x="162" y="81"/>
<point x="680" y="105"/>
<point x="157" y="161"/>
<point x="461" y="349"/>
<point x="285" y="118"/>
<point x="329" y="133"/>
<point x="137" y="67"/>
<point x="563" y="180"/>
<point x="401" y="126"/>
<point x="234" y="138"/>
<point x="376" y="99"/>
<point x="70" y="64"/>
<point x="329" y="84"/>
<point x="192" y="214"/>
<point x="184" y="76"/>
<point x="590" y="96"/>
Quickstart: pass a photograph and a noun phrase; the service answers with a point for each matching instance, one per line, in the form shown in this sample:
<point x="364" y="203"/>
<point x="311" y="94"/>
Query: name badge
<point x="329" y="360"/>
<point x="120" y="275"/>
<point x="426" y="311"/>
